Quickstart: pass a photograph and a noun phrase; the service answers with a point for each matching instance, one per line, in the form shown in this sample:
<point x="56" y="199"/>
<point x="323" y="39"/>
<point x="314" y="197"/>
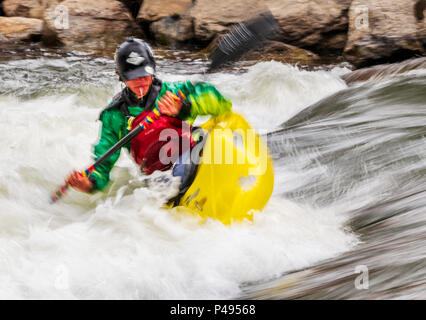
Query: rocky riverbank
<point x="362" y="32"/>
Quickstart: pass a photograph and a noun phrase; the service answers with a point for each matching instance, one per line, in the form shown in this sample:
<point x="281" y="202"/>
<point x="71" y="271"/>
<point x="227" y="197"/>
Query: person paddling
<point x="179" y="104"/>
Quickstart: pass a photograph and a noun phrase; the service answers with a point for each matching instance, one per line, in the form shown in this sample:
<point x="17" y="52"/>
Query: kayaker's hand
<point x="79" y="182"/>
<point x="169" y="104"/>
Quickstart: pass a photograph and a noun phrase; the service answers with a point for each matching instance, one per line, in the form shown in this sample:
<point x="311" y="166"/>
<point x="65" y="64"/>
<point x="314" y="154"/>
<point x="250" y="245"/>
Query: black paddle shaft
<point x="118" y="145"/>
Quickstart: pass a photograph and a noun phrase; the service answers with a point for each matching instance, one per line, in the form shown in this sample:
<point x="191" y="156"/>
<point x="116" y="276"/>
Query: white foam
<point x="271" y="92"/>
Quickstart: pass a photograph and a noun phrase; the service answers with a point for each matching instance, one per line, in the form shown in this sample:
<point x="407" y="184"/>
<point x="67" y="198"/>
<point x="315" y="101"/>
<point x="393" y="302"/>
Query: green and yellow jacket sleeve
<point x="110" y="135"/>
<point x="205" y="99"/>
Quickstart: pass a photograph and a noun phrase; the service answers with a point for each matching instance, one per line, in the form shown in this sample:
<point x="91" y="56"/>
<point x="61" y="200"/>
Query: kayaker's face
<point x="140" y="86"/>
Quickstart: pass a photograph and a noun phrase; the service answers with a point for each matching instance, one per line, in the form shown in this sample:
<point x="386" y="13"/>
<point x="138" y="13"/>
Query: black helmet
<point x="134" y="59"/>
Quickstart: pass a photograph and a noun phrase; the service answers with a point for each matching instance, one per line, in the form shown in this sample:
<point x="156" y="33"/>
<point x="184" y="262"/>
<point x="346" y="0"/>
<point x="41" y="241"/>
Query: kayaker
<point x="179" y="104"/>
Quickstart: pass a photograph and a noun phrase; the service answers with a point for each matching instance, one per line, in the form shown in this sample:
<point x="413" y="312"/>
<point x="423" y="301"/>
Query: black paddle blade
<point x="242" y="38"/>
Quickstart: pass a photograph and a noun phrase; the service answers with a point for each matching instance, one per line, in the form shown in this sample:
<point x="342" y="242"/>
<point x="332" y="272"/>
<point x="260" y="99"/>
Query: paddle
<point x="151" y="117"/>
<point x="245" y="36"/>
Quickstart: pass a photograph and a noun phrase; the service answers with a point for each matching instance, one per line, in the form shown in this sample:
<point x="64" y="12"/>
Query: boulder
<point x="153" y="10"/>
<point x="170" y="30"/>
<point x="94" y="25"/>
<point x="285" y="53"/>
<point x="314" y="24"/>
<point x="212" y="18"/>
<point x="385" y="31"/>
<point x="382" y="71"/>
<point x="18" y="28"/>
<point x="27" y="8"/>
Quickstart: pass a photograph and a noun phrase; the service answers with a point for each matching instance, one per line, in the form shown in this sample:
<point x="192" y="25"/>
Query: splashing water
<point x="120" y="243"/>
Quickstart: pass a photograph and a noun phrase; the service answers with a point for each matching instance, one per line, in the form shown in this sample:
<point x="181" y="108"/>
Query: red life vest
<point x="146" y="147"/>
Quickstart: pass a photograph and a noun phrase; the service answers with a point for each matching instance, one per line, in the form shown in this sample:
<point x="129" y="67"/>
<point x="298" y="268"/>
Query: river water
<point x="348" y="194"/>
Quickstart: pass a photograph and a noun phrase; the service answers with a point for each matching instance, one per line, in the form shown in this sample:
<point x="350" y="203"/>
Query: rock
<point x="278" y="51"/>
<point x="383" y="71"/>
<point x="332" y="43"/>
<point x="18" y="28"/>
<point x="153" y="10"/>
<point x="27" y="8"/>
<point x="314" y="24"/>
<point x="215" y="17"/>
<point x="384" y="31"/>
<point x="170" y="30"/>
<point x="98" y="25"/>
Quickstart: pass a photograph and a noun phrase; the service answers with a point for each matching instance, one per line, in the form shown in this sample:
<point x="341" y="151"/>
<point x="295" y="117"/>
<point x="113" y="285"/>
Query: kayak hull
<point x="235" y="176"/>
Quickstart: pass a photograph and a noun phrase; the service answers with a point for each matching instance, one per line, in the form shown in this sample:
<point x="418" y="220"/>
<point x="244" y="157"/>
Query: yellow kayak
<point x="235" y="176"/>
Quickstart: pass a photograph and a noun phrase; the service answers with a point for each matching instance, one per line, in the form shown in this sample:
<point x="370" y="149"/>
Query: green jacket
<point x="205" y="100"/>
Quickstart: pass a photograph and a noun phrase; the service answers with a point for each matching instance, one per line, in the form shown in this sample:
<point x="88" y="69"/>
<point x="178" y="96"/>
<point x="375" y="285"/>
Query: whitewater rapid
<point x="119" y="243"/>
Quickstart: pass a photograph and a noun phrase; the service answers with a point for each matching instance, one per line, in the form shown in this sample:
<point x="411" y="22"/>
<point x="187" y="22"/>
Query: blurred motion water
<point x="348" y="190"/>
<point x="362" y="152"/>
